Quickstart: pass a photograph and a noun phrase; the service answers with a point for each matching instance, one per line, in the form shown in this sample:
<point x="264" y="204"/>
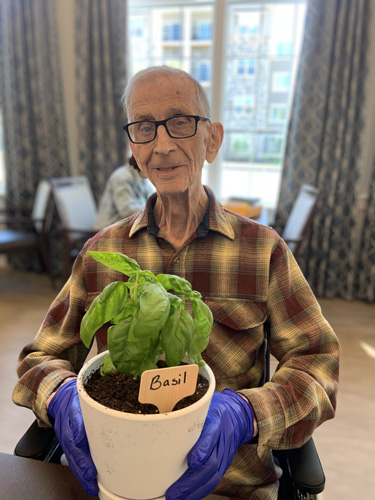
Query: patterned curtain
<point x="101" y="78"/>
<point x="366" y="260"/>
<point x="324" y="141"/>
<point x="32" y="104"/>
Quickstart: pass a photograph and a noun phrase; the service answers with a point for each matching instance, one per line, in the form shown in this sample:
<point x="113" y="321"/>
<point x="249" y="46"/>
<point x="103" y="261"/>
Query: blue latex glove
<point x="229" y="423"/>
<point x="65" y="409"/>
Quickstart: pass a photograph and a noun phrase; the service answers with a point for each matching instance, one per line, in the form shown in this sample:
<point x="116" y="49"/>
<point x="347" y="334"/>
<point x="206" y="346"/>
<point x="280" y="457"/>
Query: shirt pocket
<point x="236" y="349"/>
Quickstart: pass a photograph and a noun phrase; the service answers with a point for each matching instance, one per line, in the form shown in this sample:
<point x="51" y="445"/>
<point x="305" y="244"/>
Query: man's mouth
<point x="167" y="169"/>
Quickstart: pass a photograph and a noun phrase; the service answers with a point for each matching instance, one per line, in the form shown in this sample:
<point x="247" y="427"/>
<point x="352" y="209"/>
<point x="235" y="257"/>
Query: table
<point x="22" y="478"/>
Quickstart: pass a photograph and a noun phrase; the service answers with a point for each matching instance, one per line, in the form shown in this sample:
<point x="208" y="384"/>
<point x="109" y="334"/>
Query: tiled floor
<point x="345" y="444"/>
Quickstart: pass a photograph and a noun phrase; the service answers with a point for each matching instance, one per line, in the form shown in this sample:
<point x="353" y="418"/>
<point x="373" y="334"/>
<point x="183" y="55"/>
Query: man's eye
<point x="145" y="128"/>
<point x="181" y="122"/>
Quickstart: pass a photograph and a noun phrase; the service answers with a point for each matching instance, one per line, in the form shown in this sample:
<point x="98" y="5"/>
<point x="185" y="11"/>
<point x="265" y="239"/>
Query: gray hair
<point x="167" y="71"/>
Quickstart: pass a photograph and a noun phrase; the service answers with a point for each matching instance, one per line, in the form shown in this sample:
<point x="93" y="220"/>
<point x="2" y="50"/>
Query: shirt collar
<point x="215" y="218"/>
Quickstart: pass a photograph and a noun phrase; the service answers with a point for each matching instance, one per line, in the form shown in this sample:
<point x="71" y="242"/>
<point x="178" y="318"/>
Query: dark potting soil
<point x="119" y="391"/>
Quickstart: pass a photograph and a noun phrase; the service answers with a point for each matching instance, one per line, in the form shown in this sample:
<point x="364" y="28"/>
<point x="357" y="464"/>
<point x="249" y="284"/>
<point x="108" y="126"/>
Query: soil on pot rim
<point x="119" y="391"/>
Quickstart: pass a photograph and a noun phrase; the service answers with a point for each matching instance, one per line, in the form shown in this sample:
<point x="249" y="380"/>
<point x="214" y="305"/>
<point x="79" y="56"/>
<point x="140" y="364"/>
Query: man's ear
<point x="215" y="141"/>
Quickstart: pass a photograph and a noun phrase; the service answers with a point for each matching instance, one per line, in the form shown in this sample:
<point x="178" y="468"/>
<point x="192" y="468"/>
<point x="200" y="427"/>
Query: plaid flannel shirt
<point x="246" y="274"/>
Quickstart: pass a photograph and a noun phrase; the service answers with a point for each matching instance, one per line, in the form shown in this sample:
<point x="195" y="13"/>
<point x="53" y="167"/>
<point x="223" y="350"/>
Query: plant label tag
<point x="165" y="387"/>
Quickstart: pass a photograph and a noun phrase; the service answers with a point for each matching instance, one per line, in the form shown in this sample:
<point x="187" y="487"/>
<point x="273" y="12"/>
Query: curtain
<point x="325" y="139"/>
<point x="366" y="261"/>
<point x="101" y="78"/>
<point x="31" y="99"/>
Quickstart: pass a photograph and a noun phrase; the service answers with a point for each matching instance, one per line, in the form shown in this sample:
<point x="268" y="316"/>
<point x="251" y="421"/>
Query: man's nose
<point x="163" y="142"/>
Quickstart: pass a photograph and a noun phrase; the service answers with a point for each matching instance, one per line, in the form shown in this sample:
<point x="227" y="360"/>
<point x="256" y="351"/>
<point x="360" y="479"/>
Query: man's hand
<point x="65" y="409"/>
<point x="229" y="423"/>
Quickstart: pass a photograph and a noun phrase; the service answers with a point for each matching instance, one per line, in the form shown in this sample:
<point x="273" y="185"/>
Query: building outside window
<point x="247" y="69"/>
<point x="2" y="165"/>
<point x="278" y="113"/>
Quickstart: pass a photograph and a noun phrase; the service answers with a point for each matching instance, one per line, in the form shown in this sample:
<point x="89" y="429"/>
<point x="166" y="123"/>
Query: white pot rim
<point x="96" y="361"/>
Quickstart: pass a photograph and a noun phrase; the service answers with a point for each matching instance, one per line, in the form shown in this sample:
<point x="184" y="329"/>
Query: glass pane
<point x="263" y="45"/>
<point x="178" y="35"/>
<point x="2" y="163"/>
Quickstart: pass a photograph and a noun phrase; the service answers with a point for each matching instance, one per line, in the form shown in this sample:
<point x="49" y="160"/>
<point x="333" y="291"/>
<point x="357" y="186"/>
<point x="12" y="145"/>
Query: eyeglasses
<point x="179" y="127"/>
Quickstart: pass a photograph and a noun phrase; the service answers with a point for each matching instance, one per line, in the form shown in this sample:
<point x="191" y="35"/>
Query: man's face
<point x="172" y="165"/>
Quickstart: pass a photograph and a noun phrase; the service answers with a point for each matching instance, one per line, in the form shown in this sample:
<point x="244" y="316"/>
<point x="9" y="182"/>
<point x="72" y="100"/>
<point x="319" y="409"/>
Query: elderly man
<point x="245" y="273"/>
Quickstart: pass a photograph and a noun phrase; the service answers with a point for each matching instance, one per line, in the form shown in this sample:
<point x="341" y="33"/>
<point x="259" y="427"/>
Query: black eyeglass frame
<point x="157" y="123"/>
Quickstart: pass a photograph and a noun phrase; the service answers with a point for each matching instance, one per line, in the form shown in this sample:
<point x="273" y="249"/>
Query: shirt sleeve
<point x="302" y="392"/>
<point x="57" y="352"/>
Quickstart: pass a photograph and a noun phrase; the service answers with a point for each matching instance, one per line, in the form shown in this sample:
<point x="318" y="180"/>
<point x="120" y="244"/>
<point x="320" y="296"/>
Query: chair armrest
<point x="39" y="443"/>
<point x="306" y="468"/>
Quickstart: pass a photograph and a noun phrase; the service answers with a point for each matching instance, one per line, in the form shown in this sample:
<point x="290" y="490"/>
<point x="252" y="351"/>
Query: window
<point x="2" y="164"/>
<point x="248" y="77"/>
<point x="246" y="67"/>
<point x="278" y="113"/>
<point x="281" y="81"/>
<point x="243" y="104"/>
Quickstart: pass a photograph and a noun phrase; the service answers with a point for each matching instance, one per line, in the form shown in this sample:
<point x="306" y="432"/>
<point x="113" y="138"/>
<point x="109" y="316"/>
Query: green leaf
<point x="164" y="281"/>
<point x="107" y="366"/>
<point x="203" y="322"/>
<point x="175" y="283"/>
<point x="152" y="314"/>
<point x="176" y="336"/>
<point x="125" y="313"/>
<point x="174" y="301"/>
<point x="197" y="360"/>
<point x="117" y="336"/>
<point x="117" y="261"/>
<point x="104" y="307"/>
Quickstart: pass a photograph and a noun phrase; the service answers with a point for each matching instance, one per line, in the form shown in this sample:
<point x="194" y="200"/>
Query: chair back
<point x="41" y="215"/>
<point x="300" y="217"/>
<point x="75" y="204"/>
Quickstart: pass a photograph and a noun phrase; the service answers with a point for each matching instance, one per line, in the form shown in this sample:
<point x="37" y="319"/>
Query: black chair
<point x="28" y="234"/>
<point x="303" y="476"/>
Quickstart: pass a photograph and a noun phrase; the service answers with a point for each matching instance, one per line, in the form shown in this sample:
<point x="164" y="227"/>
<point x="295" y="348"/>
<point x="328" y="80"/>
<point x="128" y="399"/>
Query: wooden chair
<point x="28" y="234"/>
<point x="76" y="210"/>
<point x="300" y="217"/>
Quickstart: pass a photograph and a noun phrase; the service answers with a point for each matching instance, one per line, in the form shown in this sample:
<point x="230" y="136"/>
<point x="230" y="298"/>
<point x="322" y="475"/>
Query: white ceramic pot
<point x="139" y="456"/>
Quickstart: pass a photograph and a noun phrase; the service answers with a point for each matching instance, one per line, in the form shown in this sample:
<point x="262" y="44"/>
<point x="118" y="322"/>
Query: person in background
<point x="246" y="274"/>
<point x="125" y="193"/>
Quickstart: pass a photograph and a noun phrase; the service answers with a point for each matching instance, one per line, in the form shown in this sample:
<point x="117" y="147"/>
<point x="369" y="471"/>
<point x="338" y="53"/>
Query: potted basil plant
<point x="138" y="456"/>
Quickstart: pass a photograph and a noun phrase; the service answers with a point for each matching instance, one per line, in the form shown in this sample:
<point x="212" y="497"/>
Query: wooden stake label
<point x="165" y="387"/>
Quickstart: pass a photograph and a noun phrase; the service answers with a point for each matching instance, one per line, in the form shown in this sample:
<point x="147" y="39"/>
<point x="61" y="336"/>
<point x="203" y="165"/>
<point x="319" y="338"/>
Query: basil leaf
<point x="203" y="322"/>
<point x="174" y="301"/>
<point x="104" y="307"/>
<point x="118" y="343"/>
<point x="153" y="312"/>
<point x="107" y="366"/>
<point x="116" y="261"/>
<point x="176" y="336"/>
<point x="175" y="283"/>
